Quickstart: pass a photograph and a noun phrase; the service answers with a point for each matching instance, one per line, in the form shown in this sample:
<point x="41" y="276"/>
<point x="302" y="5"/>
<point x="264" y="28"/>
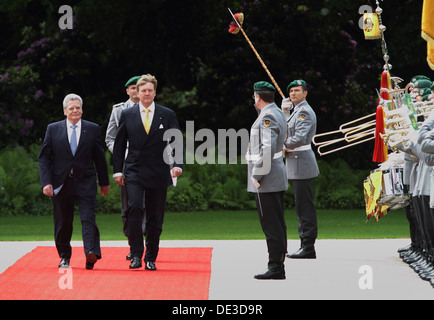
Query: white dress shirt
<point x="151" y="112"/>
<point x="77" y="130"/>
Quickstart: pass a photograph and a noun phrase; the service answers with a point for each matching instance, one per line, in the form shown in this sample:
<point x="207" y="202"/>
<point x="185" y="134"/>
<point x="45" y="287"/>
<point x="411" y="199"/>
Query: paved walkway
<point x="340" y="272"/>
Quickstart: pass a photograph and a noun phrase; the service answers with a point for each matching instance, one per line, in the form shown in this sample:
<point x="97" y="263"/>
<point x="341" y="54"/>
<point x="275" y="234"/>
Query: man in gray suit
<point x="301" y="166"/>
<point x="267" y="176"/>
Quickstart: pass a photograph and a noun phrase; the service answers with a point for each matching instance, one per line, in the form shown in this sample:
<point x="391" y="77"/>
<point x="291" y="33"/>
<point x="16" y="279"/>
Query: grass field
<point x="219" y="225"/>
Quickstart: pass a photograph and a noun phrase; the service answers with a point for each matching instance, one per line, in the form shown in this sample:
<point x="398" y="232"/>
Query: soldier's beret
<point x="263" y="86"/>
<point x="424" y="91"/>
<point x="296" y="83"/>
<point x="132" y="81"/>
<point x="416" y="78"/>
<point x="423" y="83"/>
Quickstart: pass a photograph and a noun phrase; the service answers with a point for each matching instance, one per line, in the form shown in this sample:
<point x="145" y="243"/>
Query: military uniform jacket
<point x="300" y="160"/>
<point x="112" y="127"/>
<point x="426" y="140"/>
<point x="265" y="161"/>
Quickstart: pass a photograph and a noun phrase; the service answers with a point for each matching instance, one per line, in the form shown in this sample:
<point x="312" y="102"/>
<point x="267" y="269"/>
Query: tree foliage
<point x="205" y="73"/>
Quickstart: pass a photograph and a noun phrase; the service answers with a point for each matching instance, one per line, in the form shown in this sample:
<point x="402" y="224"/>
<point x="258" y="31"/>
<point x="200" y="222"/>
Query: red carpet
<point x="183" y="274"/>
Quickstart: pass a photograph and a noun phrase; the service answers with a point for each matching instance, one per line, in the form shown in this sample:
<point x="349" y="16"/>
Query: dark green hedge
<point x="200" y="188"/>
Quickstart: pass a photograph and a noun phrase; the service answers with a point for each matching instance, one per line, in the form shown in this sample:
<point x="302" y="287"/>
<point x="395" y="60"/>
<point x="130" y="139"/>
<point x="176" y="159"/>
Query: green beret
<point x="132" y="81"/>
<point x="424" y="91"/>
<point x="416" y="78"/>
<point x="425" y="97"/>
<point x="296" y="83"/>
<point x="423" y="83"/>
<point x="263" y="86"/>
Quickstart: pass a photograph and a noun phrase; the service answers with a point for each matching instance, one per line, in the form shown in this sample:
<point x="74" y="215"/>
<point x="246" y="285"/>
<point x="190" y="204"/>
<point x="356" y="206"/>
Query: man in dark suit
<point x="71" y="151"/>
<point x="144" y="126"/>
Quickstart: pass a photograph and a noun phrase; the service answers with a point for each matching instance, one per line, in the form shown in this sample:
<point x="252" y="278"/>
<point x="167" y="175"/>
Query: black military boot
<point x="306" y="251"/>
<point x="276" y="268"/>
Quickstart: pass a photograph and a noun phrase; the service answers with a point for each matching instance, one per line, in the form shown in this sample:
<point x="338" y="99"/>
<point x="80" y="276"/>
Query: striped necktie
<point x="146" y="122"/>
<point x="73" y="141"/>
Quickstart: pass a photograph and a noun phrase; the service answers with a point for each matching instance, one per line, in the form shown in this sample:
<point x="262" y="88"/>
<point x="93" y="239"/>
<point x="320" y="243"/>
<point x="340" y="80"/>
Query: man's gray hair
<point x="70" y="97"/>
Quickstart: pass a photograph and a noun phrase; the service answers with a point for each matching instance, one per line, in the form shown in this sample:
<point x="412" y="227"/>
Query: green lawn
<point x="219" y="225"/>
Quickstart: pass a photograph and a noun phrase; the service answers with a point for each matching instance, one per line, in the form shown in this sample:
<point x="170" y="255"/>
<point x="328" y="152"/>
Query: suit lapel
<point x="138" y="120"/>
<point x="156" y="120"/>
<point x="83" y="133"/>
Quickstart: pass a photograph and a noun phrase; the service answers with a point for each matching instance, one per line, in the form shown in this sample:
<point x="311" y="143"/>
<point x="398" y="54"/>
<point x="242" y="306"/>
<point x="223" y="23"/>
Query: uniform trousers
<point x="271" y="215"/>
<point x="63" y="215"/>
<point x="305" y="210"/>
<point x="428" y="222"/>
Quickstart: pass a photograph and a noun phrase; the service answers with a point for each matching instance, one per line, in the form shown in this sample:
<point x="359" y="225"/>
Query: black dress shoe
<point x="64" y="263"/>
<point x="135" y="263"/>
<point x="90" y="260"/>
<point x="129" y="256"/>
<point x="303" y="253"/>
<point x="149" y="265"/>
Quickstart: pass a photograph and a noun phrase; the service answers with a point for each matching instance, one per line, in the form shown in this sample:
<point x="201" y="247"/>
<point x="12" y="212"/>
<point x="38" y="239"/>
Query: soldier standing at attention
<point x="267" y="176"/>
<point x="301" y="166"/>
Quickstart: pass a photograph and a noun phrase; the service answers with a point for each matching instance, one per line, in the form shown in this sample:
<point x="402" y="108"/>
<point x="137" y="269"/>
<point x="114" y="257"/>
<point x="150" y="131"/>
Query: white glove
<point x="255" y="183"/>
<point x="286" y="107"/>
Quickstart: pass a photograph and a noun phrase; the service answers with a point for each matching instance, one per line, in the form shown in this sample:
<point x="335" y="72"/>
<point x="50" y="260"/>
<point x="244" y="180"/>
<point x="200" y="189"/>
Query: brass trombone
<point x="352" y="135"/>
<point x="396" y="119"/>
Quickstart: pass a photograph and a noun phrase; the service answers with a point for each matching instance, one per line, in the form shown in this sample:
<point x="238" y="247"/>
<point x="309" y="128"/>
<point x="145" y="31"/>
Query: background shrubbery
<point x="201" y="187"/>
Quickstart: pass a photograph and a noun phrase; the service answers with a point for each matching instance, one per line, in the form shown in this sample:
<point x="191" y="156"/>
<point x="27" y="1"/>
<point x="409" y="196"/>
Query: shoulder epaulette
<point x="118" y="105"/>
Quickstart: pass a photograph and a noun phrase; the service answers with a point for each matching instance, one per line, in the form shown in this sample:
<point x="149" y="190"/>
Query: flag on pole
<point x="428" y="29"/>
<point x="234" y="27"/>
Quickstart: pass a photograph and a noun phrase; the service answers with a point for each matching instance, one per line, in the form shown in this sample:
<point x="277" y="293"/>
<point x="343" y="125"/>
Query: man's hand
<point x="176" y="172"/>
<point x="286" y="107"/>
<point x="48" y="190"/>
<point x="255" y="183"/>
<point x="104" y="190"/>
<point x="120" y="180"/>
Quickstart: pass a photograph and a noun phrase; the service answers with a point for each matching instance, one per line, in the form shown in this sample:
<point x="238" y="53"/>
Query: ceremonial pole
<point x="235" y="31"/>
